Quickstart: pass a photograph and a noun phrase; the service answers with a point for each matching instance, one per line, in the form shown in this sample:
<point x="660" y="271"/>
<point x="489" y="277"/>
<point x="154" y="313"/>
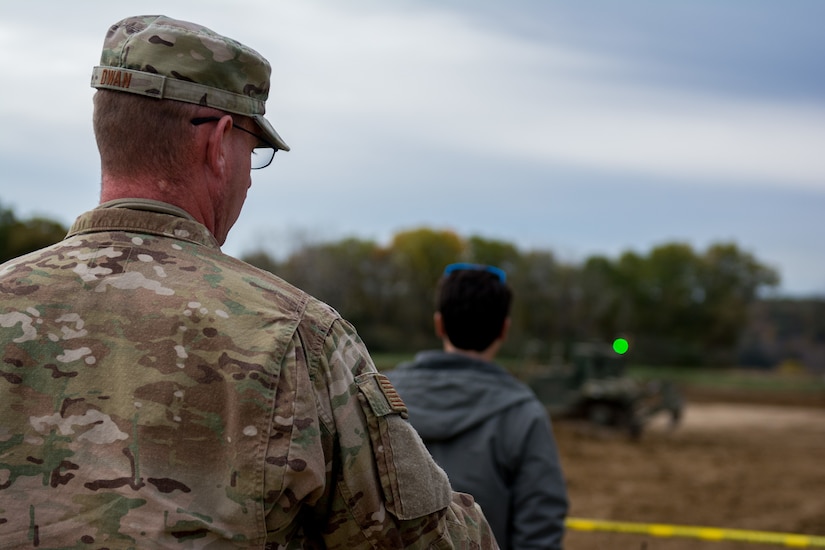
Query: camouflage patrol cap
<point x="156" y="56"/>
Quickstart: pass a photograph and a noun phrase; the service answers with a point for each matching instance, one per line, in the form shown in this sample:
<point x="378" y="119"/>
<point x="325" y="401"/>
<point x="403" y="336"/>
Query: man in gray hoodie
<point x="485" y="428"/>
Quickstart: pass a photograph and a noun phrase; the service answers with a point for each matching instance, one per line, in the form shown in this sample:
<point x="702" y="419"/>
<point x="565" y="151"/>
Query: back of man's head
<point x="474" y="302"/>
<point x="163" y="58"/>
<point x="155" y="72"/>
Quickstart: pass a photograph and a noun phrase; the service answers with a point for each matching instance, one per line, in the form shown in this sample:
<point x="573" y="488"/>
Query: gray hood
<point x="453" y="393"/>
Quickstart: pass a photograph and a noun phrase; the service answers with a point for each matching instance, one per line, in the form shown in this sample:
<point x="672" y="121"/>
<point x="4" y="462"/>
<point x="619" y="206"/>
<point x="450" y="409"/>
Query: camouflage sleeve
<point x="388" y="491"/>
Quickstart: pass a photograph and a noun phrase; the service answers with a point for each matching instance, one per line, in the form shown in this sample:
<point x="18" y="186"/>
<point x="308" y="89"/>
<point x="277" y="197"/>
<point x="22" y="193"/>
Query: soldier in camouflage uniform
<point x="156" y="393"/>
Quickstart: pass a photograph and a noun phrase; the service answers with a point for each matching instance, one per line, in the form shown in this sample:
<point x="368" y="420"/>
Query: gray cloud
<point x="518" y="124"/>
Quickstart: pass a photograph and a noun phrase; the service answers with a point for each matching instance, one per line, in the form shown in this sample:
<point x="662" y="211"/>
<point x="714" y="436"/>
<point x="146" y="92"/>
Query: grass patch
<point x="718" y="378"/>
<point x="686" y="377"/>
<point x="732" y="378"/>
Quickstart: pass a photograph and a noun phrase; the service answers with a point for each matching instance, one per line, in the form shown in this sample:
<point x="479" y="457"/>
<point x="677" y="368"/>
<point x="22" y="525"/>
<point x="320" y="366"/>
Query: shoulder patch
<point x="381" y="394"/>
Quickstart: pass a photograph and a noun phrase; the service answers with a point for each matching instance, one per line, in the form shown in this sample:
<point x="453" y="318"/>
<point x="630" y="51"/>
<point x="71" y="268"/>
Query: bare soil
<point x="736" y="461"/>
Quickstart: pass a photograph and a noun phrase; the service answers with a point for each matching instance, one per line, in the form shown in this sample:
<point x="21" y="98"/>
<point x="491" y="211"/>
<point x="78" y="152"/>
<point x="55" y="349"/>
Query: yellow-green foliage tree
<point x="417" y="258"/>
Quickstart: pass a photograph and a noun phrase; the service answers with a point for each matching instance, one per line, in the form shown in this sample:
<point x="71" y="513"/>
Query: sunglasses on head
<point x="497" y="271"/>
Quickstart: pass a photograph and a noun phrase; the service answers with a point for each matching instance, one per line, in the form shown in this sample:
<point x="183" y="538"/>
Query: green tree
<point x="690" y="308"/>
<point x="18" y="237"/>
<point x="262" y="260"/>
<point x="671" y="312"/>
<point x="481" y="250"/>
<point x="605" y="304"/>
<point x="539" y="312"/>
<point x="731" y="282"/>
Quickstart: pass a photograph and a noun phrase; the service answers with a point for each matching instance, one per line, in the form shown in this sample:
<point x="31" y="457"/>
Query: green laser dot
<point x="620" y="346"/>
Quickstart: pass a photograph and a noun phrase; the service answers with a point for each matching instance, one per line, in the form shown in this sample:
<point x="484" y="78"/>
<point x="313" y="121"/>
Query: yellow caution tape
<point x="703" y="533"/>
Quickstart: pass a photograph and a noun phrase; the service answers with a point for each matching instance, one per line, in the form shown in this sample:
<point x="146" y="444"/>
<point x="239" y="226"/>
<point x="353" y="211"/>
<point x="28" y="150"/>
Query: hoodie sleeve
<point x="539" y="491"/>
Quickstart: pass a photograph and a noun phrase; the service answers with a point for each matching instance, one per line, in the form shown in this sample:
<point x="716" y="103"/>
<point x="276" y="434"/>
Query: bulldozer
<point x="593" y="385"/>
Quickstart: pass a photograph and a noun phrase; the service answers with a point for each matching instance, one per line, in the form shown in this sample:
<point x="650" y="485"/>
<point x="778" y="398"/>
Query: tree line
<point x="676" y="305"/>
<point x="17" y="237"/>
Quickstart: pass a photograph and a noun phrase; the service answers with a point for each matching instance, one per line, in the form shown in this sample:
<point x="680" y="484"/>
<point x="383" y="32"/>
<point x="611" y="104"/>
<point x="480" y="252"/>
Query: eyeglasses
<point x="497" y="271"/>
<point x="261" y="156"/>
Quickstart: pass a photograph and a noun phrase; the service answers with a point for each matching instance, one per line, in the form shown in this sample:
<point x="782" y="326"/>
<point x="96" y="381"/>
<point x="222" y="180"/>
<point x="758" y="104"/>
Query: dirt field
<point x="735" y="462"/>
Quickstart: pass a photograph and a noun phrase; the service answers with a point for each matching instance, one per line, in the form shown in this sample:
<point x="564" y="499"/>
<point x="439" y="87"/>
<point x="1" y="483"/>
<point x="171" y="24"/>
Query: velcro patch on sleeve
<point x="381" y="395"/>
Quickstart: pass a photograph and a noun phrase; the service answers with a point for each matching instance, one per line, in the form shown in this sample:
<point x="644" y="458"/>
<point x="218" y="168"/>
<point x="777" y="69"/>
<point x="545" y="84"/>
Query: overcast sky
<point x="580" y="127"/>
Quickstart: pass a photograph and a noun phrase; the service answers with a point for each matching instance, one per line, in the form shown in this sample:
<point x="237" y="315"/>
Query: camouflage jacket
<point x="157" y="393"/>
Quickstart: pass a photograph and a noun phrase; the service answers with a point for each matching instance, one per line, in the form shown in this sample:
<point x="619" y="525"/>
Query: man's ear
<point x="438" y="323"/>
<point x="217" y="145"/>
<point x="505" y="329"/>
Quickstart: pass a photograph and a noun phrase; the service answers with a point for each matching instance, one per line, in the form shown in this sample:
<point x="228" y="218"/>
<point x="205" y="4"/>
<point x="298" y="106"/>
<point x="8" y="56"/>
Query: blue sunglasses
<point x="497" y="271"/>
